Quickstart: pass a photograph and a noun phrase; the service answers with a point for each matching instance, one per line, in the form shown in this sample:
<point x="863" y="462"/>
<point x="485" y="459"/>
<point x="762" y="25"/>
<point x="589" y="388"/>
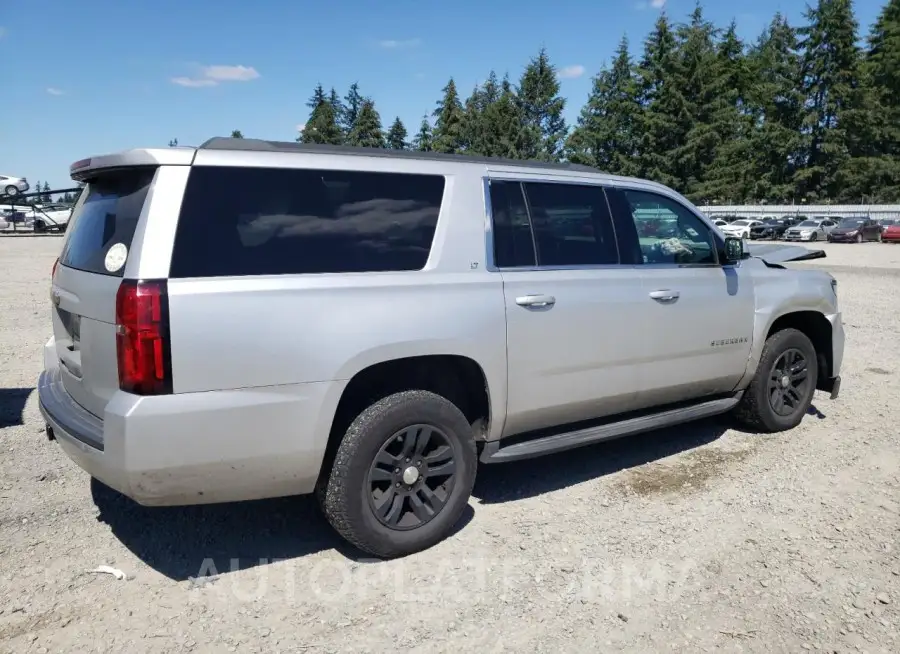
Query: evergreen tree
<point x="349" y="110"/>
<point x="471" y="127"/>
<point x="338" y="105"/>
<point x="836" y="119"/>
<point x="173" y="143"/>
<point x="606" y="136"/>
<point x="366" y="132"/>
<point x="448" y="121"/>
<point x="396" y="137"/>
<point x="726" y="178"/>
<point x="700" y="77"/>
<point x="503" y="133"/>
<point x="542" y="108"/>
<point x="882" y="70"/>
<point x="236" y="134"/>
<point x="424" y="139"/>
<point x="322" y="126"/>
<point x="318" y="97"/>
<point x="46" y="193"/>
<point x="775" y="104"/>
<point x="665" y="119"/>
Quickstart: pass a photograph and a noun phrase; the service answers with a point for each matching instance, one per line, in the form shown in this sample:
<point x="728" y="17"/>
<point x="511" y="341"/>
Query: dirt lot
<point x="699" y="538"/>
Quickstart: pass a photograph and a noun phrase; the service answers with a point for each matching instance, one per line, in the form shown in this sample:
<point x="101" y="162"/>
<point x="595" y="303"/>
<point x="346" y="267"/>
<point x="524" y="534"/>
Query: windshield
<point x="887" y="222"/>
<point x="808" y="223"/>
<point x="852" y="222"/>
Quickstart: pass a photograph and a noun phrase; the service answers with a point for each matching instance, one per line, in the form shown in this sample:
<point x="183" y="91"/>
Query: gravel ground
<point x="693" y="539"/>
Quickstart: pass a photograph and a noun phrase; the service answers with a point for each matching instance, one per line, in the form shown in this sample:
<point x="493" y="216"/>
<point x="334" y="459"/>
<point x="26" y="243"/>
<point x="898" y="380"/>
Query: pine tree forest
<point x="806" y="112"/>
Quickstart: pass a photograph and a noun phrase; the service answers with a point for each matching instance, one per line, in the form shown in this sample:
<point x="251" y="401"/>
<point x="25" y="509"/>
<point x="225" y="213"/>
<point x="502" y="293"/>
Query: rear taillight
<point x="142" y="337"/>
<point x="53" y="271"/>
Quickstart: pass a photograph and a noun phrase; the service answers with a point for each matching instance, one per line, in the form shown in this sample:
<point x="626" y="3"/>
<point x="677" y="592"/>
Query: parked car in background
<point x="13" y="186"/>
<point x="720" y="222"/>
<point x="855" y="230"/>
<point x="816" y="229"/>
<point x="773" y="228"/>
<point x="890" y="230"/>
<point x="50" y="217"/>
<point x="740" y="228"/>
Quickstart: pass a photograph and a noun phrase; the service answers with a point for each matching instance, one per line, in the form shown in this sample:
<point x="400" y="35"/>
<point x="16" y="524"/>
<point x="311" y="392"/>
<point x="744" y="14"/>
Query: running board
<point x="494" y="452"/>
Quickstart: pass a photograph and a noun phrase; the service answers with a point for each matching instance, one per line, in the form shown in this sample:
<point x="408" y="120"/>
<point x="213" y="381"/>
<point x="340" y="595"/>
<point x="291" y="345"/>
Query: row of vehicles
<point x="49" y="217"/>
<point x="852" y="229"/>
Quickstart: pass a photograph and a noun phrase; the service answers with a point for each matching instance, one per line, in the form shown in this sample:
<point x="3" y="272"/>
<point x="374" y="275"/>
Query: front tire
<point x="402" y="475"/>
<point x="814" y="237"/>
<point x="782" y="389"/>
<point x="859" y="238"/>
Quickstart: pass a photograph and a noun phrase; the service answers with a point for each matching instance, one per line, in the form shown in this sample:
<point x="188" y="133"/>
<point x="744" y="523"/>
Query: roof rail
<point x="259" y="145"/>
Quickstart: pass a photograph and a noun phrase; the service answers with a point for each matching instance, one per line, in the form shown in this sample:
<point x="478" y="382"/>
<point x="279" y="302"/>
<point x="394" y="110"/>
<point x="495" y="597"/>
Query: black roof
<point x="259" y="145"/>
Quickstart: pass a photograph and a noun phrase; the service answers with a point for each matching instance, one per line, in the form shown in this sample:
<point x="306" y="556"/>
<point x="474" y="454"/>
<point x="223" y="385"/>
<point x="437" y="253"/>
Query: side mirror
<point x="734" y="249"/>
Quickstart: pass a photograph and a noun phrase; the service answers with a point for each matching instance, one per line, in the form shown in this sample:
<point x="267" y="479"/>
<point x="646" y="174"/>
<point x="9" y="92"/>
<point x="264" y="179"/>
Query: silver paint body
<point x="259" y="363"/>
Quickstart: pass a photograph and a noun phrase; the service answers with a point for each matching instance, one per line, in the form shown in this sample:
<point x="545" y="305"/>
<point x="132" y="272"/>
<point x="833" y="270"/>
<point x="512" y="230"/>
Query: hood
<point x="775" y="253"/>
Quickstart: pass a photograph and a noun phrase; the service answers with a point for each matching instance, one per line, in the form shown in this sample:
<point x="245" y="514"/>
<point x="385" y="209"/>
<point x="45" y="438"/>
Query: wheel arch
<point x="457" y="377"/>
<point x="818" y="329"/>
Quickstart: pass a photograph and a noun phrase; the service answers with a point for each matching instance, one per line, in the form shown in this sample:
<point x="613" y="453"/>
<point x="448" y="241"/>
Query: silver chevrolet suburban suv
<point x="251" y="319"/>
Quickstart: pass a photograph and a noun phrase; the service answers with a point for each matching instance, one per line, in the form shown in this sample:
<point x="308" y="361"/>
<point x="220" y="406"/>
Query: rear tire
<point x="11" y="191"/>
<point x="788" y="355"/>
<point x="370" y="497"/>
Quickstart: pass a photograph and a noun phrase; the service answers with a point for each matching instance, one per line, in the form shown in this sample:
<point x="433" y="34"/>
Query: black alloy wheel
<point x="789" y="382"/>
<point x="412" y="477"/>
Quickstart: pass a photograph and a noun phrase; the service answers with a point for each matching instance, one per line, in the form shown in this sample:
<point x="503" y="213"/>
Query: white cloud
<point x="393" y="44"/>
<point x="301" y="127"/>
<point x="54" y="91"/>
<point x="230" y="73"/>
<point x="193" y="83"/>
<point x="658" y="4"/>
<point x="571" y="72"/>
<point x="212" y="75"/>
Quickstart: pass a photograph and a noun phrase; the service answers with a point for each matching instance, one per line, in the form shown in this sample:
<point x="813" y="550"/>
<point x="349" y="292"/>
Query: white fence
<point x="876" y="211"/>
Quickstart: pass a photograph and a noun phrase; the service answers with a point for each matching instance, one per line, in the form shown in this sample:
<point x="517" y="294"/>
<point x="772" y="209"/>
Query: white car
<point x="49" y="217"/>
<point x="740" y="228"/>
<point x="718" y="222"/>
<point x="816" y="229"/>
<point x="13" y="186"/>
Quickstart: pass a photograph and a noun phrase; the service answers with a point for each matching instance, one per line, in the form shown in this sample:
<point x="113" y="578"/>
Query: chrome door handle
<point x="537" y="301"/>
<point x="665" y="295"/>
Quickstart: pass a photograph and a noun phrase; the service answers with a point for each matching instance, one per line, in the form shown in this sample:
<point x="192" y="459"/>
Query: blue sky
<point x="92" y="76"/>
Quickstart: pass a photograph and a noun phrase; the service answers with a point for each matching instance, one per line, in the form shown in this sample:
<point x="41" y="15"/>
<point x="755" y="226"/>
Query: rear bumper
<point x="197" y="448"/>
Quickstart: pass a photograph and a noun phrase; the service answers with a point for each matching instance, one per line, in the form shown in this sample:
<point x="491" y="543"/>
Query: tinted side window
<point x="513" y="242"/>
<point x="668" y="231"/>
<point x="571" y="225"/>
<point x="280" y="221"/>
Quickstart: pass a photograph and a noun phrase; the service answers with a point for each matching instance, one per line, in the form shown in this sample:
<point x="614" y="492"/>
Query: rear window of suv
<point x="281" y="221"/>
<point x="108" y="217"/>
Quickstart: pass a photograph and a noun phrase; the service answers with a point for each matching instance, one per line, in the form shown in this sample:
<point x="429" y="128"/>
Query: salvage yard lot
<point x="697" y="538"/>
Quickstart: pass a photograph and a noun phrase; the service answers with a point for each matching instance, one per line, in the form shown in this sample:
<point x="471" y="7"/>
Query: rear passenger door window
<point x="513" y="240"/>
<point x="571" y="225"/>
<point x="668" y="232"/>
<point x="283" y="221"/>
